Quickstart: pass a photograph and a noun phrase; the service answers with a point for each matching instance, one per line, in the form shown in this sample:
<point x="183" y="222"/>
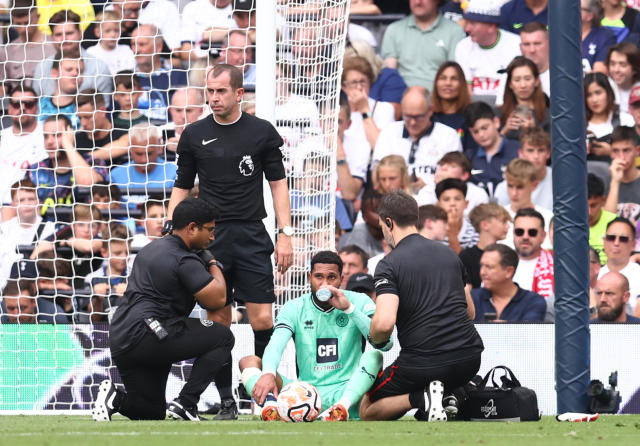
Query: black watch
<point x="377" y="346"/>
<point x="215" y="263"/>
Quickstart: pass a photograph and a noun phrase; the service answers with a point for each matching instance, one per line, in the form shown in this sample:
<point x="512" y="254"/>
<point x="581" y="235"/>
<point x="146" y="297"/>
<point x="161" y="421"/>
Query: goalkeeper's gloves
<point x="208" y="258"/>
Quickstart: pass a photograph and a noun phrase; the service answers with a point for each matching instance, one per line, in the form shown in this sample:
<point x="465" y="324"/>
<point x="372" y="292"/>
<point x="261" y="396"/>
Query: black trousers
<point x="145" y="368"/>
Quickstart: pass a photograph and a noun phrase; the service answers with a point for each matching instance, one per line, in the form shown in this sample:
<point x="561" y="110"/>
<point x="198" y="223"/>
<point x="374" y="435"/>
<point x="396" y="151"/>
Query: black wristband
<point x="377" y="346"/>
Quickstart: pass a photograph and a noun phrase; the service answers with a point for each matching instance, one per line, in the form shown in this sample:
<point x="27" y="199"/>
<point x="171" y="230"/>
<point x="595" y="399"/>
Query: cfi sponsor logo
<point x="490" y="409"/>
<point x="246" y="166"/>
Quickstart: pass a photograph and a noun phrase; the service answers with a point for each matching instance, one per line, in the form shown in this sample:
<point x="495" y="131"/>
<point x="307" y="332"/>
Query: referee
<point x="151" y="330"/>
<point x="420" y="290"/>
<point x="230" y="151"/>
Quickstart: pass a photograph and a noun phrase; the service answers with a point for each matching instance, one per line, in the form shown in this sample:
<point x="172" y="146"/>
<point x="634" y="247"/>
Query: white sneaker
<point x="433" y="402"/>
<point x="103" y="407"/>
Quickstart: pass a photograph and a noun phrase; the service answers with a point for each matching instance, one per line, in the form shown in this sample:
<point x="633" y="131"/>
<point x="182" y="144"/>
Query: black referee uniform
<point x="230" y="160"/>
<point x="164" y="278"/>
<point x="438" y="340"/>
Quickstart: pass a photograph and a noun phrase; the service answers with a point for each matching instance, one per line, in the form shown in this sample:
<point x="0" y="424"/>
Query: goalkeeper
<point x="329" y="339"/>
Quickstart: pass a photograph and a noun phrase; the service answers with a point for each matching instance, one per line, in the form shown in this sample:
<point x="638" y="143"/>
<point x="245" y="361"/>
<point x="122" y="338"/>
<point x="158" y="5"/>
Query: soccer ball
<point x="299" y="401"/>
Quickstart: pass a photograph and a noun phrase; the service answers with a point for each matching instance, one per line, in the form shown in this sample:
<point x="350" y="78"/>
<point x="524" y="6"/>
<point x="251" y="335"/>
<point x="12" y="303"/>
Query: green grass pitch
<point x="76" y="430"/>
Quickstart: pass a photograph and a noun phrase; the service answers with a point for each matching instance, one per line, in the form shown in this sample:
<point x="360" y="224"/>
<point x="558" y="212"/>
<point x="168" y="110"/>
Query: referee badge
<point x="246" y="166"/>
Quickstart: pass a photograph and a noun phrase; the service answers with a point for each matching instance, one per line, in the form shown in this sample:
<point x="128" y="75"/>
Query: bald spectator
<point x="19" y="57"/>
<point x="66" y="35"/>
<point x="515" y="14"/>
<point x="157" y="77"/>
<point x="238" y="50"/>
<point x="187" y="106"/>
<point x="612" y="293"/>
<point x="354" y="261"/>
<point x="421" y="142"/>
<point x="425" y="31"/>
<point x="500" y="297"/>
<point x="486" y="50"/>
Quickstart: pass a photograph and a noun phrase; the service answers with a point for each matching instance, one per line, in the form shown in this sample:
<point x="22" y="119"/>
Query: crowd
<point x="450" y="104"/>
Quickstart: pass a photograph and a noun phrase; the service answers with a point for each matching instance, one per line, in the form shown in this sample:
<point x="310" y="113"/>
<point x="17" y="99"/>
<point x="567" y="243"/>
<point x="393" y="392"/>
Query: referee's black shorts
<point x="245" y="248"/>
<point x="399" y="380"/>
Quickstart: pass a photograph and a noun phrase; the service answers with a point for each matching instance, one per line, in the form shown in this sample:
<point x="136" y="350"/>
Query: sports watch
<point x="287" y="230"/>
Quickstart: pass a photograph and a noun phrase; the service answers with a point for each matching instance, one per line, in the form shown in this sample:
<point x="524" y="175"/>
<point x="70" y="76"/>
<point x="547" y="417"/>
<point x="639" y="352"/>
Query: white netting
<point x="96" y="98"/>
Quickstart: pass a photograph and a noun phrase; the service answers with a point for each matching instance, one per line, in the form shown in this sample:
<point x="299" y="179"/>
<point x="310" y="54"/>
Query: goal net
<point x="97" y="98"/>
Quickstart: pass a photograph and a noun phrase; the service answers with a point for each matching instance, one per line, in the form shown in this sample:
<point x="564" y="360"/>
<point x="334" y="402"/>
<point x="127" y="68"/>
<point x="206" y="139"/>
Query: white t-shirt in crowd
<point x="118" y="59"/>
<point x="383" y="115"/>
<point x="632" y="273"/>
<point x="541" y="196"/>
<point x="476" y="195"/>
<point x="524" y="273"/>
<point x="545" y="83"/>
<point x="359" y="32"/>
<point x="606" y="128"/>
<point x="199" y="15"/>
<point x="546" y="214"/>
<point x="622" y="96"/>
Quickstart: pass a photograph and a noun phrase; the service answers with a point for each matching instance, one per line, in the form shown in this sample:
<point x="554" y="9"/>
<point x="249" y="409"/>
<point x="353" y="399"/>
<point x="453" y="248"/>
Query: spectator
<point x="310" y="197"/>
<point x="500" y="295"/>
<point x="367" y="234"/>
<point x="20" y="306"/>
<point x="491" y="221"/>
<point x="612" y="291"/>
<point x="128" y="92"/>
<point x="634" y="110"/>
<point x="391" y="174"/>
<point x="494" y="151"/>
<point x="22" y="142"/>
<point x="417" y="139"/>
<point x="205" y="21"/>
<point x="452" y="10"/>
<point x="525" y="105"/>
<point x="238" y="50"/>
<point x="595" y="39"/>
<point x="97" y="136"/>
<point x="364" y="7"/>
<point x="602" y="116"/>
<point x="514" y="14"/>
<point x="352" y="157"/>
<point x="244" y="14"/>
<point x="388" y="85"/>
<point x="66" y="34"/>
<point x="521" y="180"/>
<point x="48" y="10"/>
<point x="117" y="57"/>
<point x="106" y="197"/>
<point x="623" y="64"/>
<point x="625" y="177"/>
<point x="486" y="50"/>
<point x="54" y="278"/>
<point x="354" y="261"/>
<point x="109" y="282"/>
<point x="599" y="218"/>
<point x="153" y="215"/>
<point x="425" y="31"/>
<point x="163" y="14"/>
<point x="618" y="18"/>
<point x="451" y="194"/>
<point x="157" y="77"/>
<point x="594" y="270"/>
<point x="64" y="168"/>
<point x="187" y="106"/>
<point x="432" y="222"/>
<point x="67" y="71"/>
<point x="128" y="12"/>
<point x="618" y="245"/>
<point x="20" y="56"/>
<point x="147" y="169"/>
<point x="362" y="283"/>
<point x="450" y="98"/>
<point x="535" y="147"/>
<point x="535" y="267"/>
<point x="368" y="116"/>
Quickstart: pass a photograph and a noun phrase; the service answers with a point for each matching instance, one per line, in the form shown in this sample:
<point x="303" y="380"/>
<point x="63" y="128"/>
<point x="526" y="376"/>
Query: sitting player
<point x="328" y="338"/>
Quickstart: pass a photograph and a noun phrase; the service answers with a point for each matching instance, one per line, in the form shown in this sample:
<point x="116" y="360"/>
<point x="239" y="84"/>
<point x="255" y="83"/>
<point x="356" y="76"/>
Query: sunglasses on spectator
<point x="613" y="237"/>
<point x="520" y="232"/>
<point x="25" y="104"/>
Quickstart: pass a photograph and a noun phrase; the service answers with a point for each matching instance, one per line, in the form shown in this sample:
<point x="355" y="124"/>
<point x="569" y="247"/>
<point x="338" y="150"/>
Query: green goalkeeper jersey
<point x="328" y="343"/>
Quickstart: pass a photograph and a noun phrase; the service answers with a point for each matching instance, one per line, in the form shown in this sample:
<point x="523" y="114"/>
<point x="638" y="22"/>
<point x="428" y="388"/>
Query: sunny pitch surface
<point x="76" y="430"/>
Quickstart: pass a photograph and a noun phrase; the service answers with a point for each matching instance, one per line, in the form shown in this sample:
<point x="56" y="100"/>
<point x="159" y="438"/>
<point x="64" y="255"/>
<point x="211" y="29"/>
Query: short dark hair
<point x="21" y="8"/>
<point x="477" y="110"/>
<point x="90" y="96"/>
<point x="236" y="78"/>
<point x="451" y="183"/>
<point x="400" y="207"/>
<point x="508" y="257"/>
<point x="370" y="199"/>
<point x="23" y="89"/>
<point x="15" y="287"/>
<point x="193" y="210"/>
<point x="457" y="158"/>
<point x="64" y="16"/>
<point x="128" y="79"/>
<point x="595" y="186"/>
<point x="624" y="133"/>
<point x="108" y="190"/>
<point x="625" y="221"/>
<point x="533" y="27"/>
<point x="355" y="249"/>
<point x="151" y="203"/>
<point x="430" y="212"/>
<point x="529" y="212"/>
<point x="327" y="257"/>
<point x="59" y="117"/>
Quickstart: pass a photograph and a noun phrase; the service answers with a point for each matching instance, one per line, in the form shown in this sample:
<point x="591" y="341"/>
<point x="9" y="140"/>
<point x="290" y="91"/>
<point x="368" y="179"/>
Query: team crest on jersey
<point x="206" y="322"/>
<point x="342" y="320"/>
<point x="246" y="166"/>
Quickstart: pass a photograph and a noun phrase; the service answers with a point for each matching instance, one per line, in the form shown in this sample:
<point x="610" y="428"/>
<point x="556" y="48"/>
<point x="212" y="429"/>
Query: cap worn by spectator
<point x="483" y="11"/>
<point x="634" y="96"/>
<point x="361" y="282"/>
<point x="243" y="5"/>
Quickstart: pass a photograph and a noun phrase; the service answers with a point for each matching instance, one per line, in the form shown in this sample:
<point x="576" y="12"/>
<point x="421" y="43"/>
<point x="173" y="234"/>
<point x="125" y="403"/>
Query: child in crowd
<point x="599" y="218"/>
<point x="451" y="194"/>
<point x="117" y="57"/>
<point x="153" y="215"/>
<point x="67" y="71"/>
<point x="432" y="223"/>
<point x="128" y="91"/>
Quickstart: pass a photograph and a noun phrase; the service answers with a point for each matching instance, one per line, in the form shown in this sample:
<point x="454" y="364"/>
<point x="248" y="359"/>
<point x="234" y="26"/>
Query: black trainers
<point x="104" y="406"/>
<point x="450" y="403"/>
<point x="228" y="410"/>
<point x="213" y="410"/>
<point x="433" y="402"/>
<point x="176" y="411"/>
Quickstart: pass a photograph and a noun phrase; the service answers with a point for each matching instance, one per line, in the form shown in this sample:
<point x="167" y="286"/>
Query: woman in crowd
<point x="623" y="63"/>
<point x="449" y="100"/>
<point x="390" y="174"/>
<point x="602" y="116"/>
<point x="525" y="104"/>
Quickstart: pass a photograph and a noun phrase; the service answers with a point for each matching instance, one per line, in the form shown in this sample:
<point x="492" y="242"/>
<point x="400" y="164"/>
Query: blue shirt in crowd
<point x="595" y="47"/>
<point x="524" y="306"/>
<point x="127" y="177"/>
<point x="490" y="171"/>
<point x="389" y="86"/>
<point x="516" y="13"/>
